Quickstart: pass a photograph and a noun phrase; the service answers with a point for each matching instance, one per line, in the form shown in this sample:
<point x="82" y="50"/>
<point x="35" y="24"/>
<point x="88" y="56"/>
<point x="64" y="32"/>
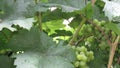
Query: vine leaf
<point x="69" y="5"/>
<point x="17" y="13"/>
<point x="40" y="51"/>
<point x="112" y="10"/>
<point x="60" y="33"/>
<point x="114" y="27"/>
<point x="13" y="14"/>
<point x="25" y="23"/>
<point x="56" y="15"/>
<point x="97" y="14"/>
<point x="6" y="62"/>
<point x="42" y="60"/>
<point x="53" y="25"/>
<point x="14" y="10"/>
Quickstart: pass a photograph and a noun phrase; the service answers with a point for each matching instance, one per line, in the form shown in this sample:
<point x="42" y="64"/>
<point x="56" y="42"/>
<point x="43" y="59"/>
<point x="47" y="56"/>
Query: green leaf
<point x="33" y="8"/>
<point x="61" y="33"/>
<point x="14" y="13"/>
<point x="69" y="5"/>
<point x="76" y="21"/>
<point x="13" y="10"/>
<point x="6" y="8"/>
<point x="6" y="62"/>
<point x="53" y="25"/>
<point x="114" y="27"/>
<point x="30" y="40"/>
<point x="112" y="10"/>
<point x="25" y="23"/>
<point x="97" y="14"/>
<point x="40" y="51"/>
<point x="56" y="15"/>
<point x="37" y="60"/>
<point x="89" y="11"/>
<point x="20" y="9"/>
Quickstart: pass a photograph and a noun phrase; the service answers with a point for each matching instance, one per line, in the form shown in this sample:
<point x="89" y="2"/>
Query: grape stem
<point x="112" y="51"/>
<point x="82" y="38"/>
<point x="77" y="32"/>
<point x="93" y="2"/>
<point x="39" y="16"/>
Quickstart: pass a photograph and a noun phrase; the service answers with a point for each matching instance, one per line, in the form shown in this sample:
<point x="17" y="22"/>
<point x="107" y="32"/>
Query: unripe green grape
<point x="99" y="24"/>
<point x="82" y="63"/>
<point x="89" y="29"/>
<point x="76" y="64"/>
<point x="78" y="49"/>
<point x="115" y="59"/>
<point x="103" y="23"/>
<point x="90" y="39"/>
<point x="84" y="66"/>
<point x="82" y="53"/>
<point x="113" y="35"/>
<point x="88" y="60"/>
<point x="91" y="58"/>
<point x="91" y="53"/>
<point x="79" y="57"/>
<point x="82" y="57"/>
<point x="77" y="53"/>
<point x="73" y="47"/>
<point x="83" y="49"/>
<point x="95" y="20"/>
<point x="86" y="43"/>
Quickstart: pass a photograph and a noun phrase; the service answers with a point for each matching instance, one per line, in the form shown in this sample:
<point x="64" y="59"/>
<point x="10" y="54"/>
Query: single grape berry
<point x="82" y="63"/>
<point x="82" y="57"/>
<point x="76" y="64"/>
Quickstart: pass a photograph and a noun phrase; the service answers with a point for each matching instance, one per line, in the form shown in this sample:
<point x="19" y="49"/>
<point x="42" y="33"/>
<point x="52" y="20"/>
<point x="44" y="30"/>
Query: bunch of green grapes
<point x="83" y="57"/>
<point x="104" y="45"/>
<point x="86" y="30"/>
<point x="99" y="23"/>
<point x="89" y="41"/>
